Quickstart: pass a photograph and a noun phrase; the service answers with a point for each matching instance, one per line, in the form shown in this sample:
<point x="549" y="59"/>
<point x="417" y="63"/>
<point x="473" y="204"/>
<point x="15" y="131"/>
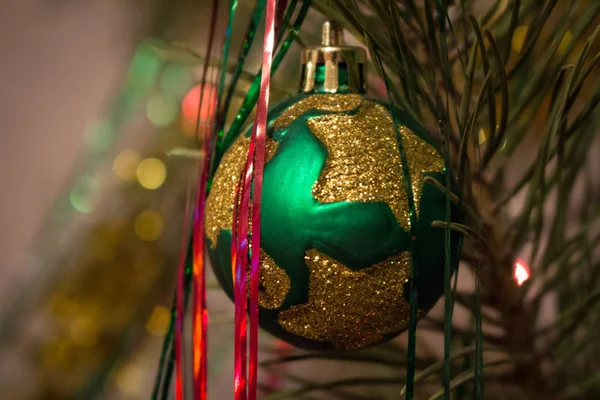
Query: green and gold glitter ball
<point x="335" y="237"/>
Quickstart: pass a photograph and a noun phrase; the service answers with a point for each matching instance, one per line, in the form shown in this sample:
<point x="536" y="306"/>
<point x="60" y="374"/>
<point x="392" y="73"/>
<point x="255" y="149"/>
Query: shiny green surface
<point x="356" y="234"/>
<point x="254" y="90"/>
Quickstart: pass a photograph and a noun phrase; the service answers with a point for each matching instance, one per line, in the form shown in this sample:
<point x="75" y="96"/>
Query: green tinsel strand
<point x="252" y="96"/>
<point x="246" y="45"/>
<point x="167" y="356"/>
<point x="226" y="43"/>
<point x="163" y="354"/>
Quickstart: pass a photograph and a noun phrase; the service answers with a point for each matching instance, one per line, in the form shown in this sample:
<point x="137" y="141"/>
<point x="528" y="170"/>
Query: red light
<point x="189" y="107"/>
<point x="521" y="272"/>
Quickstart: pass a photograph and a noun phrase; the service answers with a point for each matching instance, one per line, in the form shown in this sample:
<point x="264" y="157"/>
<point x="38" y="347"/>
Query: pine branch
<point x="460" y="75"/>
<point x="508" y="86"/>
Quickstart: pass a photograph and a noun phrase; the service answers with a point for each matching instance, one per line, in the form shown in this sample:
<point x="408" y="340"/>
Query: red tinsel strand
<point x="212" y="126"/>
<point x="199" y="311"/>
<point x="234" y="244"/>
<point x="200" y="314"/>
<point x="179" y="299"/>
<point x="235" y="279"/>
<point x="241" y="282"/>
<point x="254" y="173"/>
<point x="260" y="134"/>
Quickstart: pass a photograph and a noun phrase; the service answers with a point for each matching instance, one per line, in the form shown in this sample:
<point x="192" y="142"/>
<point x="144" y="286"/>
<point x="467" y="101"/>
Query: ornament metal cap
<point x="333" y="67"/>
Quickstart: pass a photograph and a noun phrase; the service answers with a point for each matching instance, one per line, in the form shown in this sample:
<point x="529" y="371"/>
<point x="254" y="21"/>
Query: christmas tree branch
<point x="415" y="55"/>
<point x="494" y="82"/>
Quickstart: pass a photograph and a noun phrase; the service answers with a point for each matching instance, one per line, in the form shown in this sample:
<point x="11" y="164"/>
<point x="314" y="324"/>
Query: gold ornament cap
<point x="333" y="67"/>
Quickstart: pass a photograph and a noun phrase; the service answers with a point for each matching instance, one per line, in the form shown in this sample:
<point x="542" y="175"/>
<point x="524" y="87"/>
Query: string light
<point x="151" y="173"/>
<point x="81" y="195"/>
<point x="161" y="110"/>
<point x="144" y="68"/>
<point x="189" y="107"/>
<point x="175" y="80"/>
<point x="158" y="323"/>
<point x="521" y="272"/>
<point x="98" y="135"/>
<point x="148" y="225"/>
<point x="125" y="165"/>
<point x="129" y="379"/>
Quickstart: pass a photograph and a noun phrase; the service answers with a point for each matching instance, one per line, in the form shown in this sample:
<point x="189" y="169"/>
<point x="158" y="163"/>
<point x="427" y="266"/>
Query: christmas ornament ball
<point x="335" y="224"/>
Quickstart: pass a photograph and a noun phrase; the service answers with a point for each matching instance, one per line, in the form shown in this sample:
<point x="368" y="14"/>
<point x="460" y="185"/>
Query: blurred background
<point x="97" y="118"/>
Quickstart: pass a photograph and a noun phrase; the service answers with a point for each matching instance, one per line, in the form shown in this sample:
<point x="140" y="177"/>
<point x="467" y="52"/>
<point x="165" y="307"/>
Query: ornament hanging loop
<point x="333" y="67"/>
<point x="332" y="35"/>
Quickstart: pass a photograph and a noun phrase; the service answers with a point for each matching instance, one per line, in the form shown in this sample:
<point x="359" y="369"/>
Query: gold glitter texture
<point x="363" y="163"/>
<point x="219" y="216"/>
<point x="322" y="102"/>
<point x="275" y="283"/>
<point x="351" y="309"/>
<point x="219" y="204"/>
<point x="421" y="157"/>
